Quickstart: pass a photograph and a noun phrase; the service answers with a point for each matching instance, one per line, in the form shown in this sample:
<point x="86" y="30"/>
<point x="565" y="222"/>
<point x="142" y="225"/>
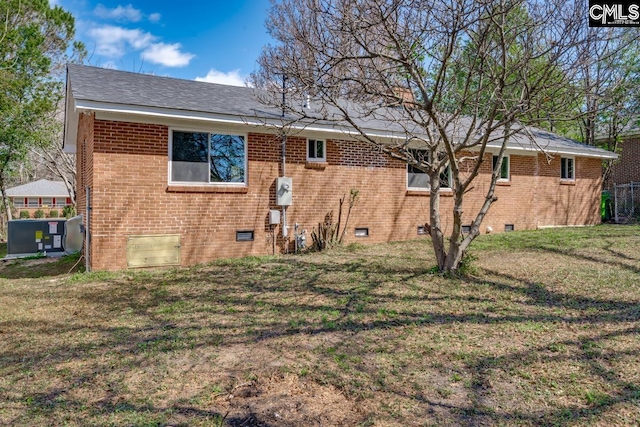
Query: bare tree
<point x="448" y="76"/>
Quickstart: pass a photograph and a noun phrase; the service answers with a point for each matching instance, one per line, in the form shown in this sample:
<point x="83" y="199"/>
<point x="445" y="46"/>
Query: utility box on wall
<point x="30" y="236"/>
<point x="274" y="217"/>
<point x="284" y="191"/>
<point x="156" y="250"/>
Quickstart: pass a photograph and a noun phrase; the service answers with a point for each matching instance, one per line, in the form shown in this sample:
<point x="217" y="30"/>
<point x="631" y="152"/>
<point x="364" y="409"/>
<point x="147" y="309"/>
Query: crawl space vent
<point x="362" y="232"/>
<point x="244" y="236"/>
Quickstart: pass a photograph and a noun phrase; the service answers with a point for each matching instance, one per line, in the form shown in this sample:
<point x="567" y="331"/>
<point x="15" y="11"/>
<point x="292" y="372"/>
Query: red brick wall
<point x="127" y="167"/>
<point x="627" y="168"/>
<point x="84" y="165"/>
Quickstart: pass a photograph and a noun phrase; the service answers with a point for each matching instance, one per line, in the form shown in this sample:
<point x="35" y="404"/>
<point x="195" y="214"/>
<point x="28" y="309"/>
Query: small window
<point x="422" y="230"/>
<point x="18" y="202"/>
<point x="566" y="168"/>
<point x="244" y="236"/>
<point x="509" y="227"/>
<point x="362" y="232"/>
<point x="33" y="202"/>
<point x="418" y="179"/>
<point x="466" y="229"/>
<point x="47" y="202"/>
<point x="504" y="168"/>
<point x="316" y="150"/>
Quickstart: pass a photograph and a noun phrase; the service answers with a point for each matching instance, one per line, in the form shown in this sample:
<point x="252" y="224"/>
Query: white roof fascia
<point x="70" y="130"/>
<point x="130" y="113"/>
<point x="133" y="113"/>
<point x="606" y="155"/>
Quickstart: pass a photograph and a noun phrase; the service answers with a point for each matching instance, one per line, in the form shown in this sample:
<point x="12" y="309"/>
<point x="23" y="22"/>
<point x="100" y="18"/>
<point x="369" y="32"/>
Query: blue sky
<point x="215" y="40"/>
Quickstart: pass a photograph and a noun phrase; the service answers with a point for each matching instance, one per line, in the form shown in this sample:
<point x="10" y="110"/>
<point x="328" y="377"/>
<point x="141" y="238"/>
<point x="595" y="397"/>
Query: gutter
<point x="125" y="112"/>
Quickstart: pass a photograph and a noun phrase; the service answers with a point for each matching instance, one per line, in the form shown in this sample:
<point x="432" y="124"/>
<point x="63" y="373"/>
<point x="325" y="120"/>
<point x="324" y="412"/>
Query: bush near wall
<point x="54" y="214"/>
<point x="38" y="214"/>
<point x="69" y="211"/>
<point x="24" y="214"/>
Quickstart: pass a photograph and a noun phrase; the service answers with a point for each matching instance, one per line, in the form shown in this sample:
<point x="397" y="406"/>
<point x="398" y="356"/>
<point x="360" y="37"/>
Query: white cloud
<point x="114" y="42"/>
<point x="232" y="78"/>
<point x="109" y="64"/>
<point x="121" y="13"/>
<point x="167" y="54"/>
<point x="154" y="17"/>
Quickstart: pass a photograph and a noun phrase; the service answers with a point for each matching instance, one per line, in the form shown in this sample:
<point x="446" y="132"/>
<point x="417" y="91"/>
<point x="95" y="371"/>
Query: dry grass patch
<point x="544" y="331"/>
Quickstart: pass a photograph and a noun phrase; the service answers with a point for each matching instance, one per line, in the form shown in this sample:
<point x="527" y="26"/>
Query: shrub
<point x="38" y="214"/>
<point x="24" y="215"/>
<point x="54" y="214"/>
<point x="69" y="211"/>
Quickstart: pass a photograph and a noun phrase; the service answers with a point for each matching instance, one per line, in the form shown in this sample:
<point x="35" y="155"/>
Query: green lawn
<point x="544" y="330"/>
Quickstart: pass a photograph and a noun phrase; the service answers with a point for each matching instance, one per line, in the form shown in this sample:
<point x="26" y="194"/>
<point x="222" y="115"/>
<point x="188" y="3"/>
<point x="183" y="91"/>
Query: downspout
<point x="87" y="239"/>
<point x="284" y="208"/>
<point x="283" y="157"/>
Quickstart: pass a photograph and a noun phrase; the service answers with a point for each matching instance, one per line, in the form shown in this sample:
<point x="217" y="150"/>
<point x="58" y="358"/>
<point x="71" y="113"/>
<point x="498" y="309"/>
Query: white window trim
<point x="208" y="184"/>
<point x="508" y="158"/>
<point x="573" y="169"/>
<point x="324" y="151"/>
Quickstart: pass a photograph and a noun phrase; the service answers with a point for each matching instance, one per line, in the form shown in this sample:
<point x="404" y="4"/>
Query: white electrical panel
<point x="284" y="191"/>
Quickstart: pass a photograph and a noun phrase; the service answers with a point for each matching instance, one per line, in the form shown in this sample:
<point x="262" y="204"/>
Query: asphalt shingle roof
<point x="40" y="188"/>
<point x="144" y="91"/>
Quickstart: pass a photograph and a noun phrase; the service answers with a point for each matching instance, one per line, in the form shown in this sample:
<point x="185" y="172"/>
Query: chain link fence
<point x="627" y="203"/>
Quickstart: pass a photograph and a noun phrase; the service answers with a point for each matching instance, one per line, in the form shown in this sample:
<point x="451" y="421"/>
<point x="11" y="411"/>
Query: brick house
<point x="627" y="168"/>
<point x="42" y="195"/>
<point x="181" y="172"/>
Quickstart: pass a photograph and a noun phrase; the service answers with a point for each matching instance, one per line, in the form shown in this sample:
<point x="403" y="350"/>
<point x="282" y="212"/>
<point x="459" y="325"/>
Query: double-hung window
<point x="208" y="158"/>
<point x="504" y="168"/>
<point x="417" y="179"/>
<point x="567" y="171"/>
<point x="316" y="150"/>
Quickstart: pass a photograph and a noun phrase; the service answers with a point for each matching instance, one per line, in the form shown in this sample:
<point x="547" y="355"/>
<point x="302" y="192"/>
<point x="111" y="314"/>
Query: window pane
<point x="417" y="178"/>
<point x="504" y="170"/>
<point x="570" y="168"/>
<point x="227" y="158"/>
<point x="189" y="161"/>
<point x="33" y="202"/>
<point x="319" y="149"/>
<point x="312" y="149"/>
<point x="47" y="201"/>
<point x="445" y="181"/>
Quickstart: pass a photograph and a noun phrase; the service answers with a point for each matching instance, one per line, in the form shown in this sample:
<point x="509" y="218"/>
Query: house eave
<point x="70" y="129"/>
<point x="132" y="113"/>
<point x="533" y="150"/>
<point x="172" y="117"/>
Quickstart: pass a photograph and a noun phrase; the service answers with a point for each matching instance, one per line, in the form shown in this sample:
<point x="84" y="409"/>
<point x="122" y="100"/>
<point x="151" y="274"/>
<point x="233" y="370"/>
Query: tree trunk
<point x="5" y="202"/>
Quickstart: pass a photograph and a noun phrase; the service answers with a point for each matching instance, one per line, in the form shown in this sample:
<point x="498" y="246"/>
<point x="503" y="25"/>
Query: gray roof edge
<point x="109" y="95"/>
<point x="40" y="188"/>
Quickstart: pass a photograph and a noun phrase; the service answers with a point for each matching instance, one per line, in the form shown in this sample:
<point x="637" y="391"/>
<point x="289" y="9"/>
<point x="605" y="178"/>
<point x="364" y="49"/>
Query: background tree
<point x="449" y="77"/>
<point x="34" y="47"/>
<point x="608" y="86"/>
